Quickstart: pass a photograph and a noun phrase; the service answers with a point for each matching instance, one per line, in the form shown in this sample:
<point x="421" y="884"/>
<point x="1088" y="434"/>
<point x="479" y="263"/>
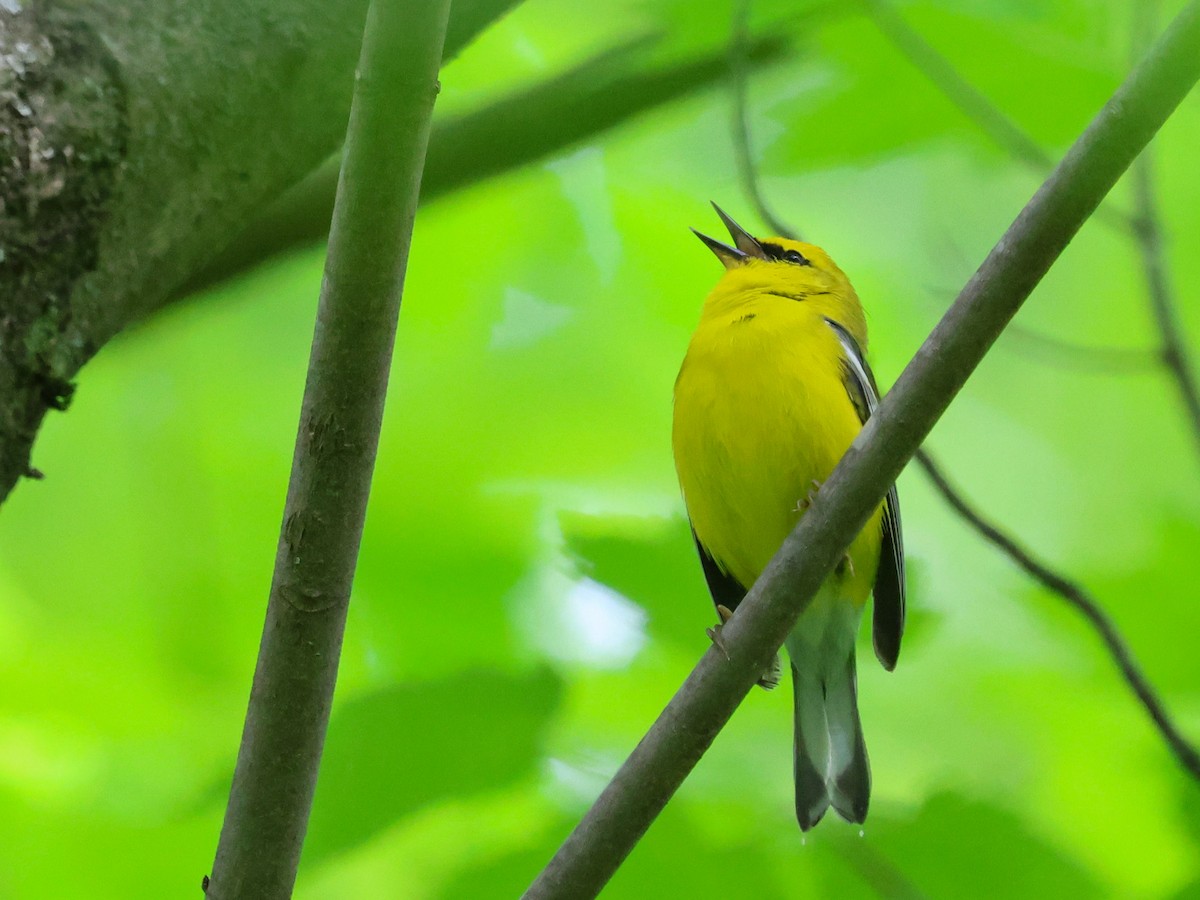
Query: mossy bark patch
<point x="63" y="137"/>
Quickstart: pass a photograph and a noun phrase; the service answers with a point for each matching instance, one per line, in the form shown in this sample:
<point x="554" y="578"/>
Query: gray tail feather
<point x="831" y="765"/>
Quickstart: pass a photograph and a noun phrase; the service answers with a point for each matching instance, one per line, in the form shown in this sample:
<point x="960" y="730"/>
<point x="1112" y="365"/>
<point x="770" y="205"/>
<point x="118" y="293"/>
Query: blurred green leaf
<point x="468" y="18"/>
<point x="666" y="864"/>
<point x="392" y="752"/>
<point x="957" y="846"/>
<point x="604" y="92"/>
<point x="653" y="562"/>
<point x="527" y="444"/>
<point x="507" y="876"/>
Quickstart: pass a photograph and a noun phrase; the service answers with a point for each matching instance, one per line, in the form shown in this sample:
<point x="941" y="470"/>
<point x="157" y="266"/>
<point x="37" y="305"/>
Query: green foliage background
<point x="527" y="597"/>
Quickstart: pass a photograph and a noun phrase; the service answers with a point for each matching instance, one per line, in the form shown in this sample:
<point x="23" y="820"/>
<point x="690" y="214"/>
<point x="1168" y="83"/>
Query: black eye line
<point x="776" y="252"/>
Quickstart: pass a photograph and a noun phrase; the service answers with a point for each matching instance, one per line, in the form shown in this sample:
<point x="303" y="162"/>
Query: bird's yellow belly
<point x="756" y="424"/>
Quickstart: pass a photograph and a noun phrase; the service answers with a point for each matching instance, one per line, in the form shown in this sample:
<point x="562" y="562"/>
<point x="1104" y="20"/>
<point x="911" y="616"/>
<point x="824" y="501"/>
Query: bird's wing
<point x="726" y="590"/>
<point x="888" y="622"/>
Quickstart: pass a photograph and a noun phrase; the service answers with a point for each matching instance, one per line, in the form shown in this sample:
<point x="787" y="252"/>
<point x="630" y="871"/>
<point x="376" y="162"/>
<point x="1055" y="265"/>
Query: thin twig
<point x="1142" y="223"/>
<point x="971" y="102"/>
<point x="1173" y="352"/>
<point x="1053" y="350"/>
<point x="276" y="773"/>
<point x="739" y="52"/>
<point x="1079" y="598"/>
<point x="722" y="678"/>
<point x="1143" y="226"/>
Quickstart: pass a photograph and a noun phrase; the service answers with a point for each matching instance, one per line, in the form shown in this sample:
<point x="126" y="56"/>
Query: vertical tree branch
<point x="690" y="722"/>
<point x="395" y="87"/>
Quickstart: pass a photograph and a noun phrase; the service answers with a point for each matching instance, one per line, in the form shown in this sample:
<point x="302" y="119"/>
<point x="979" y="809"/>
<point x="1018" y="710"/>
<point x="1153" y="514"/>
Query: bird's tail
<point x="831" y="757"/>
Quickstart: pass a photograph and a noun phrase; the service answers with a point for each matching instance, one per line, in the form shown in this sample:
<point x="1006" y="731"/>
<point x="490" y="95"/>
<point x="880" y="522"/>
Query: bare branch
<point x="739" y="53"/>
<point x="1173" y="352"/>
<point x="1053" y="350"/>
<point x="277" y="765"/>
<point x="978" y="108"/>
<point x="692" y="719"/>
<point x="970" y="101"/>
<point x="1079" y="598"/>
<point x="1142" y="223"/>
<point x="1143" y="227"/>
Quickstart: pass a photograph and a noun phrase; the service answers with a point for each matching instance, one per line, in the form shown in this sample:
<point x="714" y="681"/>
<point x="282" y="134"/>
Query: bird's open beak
<point x="745" y="246"/>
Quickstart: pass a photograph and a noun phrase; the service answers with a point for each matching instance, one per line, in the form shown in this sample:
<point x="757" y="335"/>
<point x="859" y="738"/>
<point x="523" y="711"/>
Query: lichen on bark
<point x="63" y="136"/>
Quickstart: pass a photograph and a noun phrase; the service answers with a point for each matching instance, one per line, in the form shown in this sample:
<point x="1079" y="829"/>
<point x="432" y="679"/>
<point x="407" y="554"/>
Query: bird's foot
<point x="807" y="500"/>
<point x="770" y="678"/>
<point x="845" y="565"/>
<point x="714" y="633"/>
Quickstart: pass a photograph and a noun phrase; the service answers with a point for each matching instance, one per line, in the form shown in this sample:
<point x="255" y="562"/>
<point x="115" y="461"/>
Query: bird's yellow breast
<point x="761" y="412"/>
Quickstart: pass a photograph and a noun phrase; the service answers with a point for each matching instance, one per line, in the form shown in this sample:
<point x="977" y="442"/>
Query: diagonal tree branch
<point x="273" y="784"/>
<point x="1079" y="598"/>
<point x="1110" y="358"/>
<point x="694" y="716"/>
<point x="1143" y="227"/>
<point x="970" y="100"/>
<point x="1142" y="223"/>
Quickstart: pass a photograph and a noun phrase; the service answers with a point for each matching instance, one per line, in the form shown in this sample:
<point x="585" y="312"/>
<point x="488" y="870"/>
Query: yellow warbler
<point x="774" y="388"/>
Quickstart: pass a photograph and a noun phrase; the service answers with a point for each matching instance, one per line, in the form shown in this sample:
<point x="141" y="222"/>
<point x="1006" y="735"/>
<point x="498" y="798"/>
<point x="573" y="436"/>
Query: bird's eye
<point x="795" y="256"/>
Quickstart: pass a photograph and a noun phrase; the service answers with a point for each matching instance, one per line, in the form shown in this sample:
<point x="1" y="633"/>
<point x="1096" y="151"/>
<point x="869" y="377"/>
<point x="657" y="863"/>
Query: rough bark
<point x="136" y="138"/>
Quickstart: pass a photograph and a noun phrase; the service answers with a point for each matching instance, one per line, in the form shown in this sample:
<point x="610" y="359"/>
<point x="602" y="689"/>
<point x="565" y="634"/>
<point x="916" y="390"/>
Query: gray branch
<point x="1142" y="224"/>
<point x="285" y="727"/>
<point x="692" y="719"/>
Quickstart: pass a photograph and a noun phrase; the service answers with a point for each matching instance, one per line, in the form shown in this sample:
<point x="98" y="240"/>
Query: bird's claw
<point x="770" y="678"/>
<point x="714" y="633"/>
<point x="807" y="500"/>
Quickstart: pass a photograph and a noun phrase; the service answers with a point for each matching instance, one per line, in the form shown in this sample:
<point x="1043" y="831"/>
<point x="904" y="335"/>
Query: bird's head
<point x="791" y="270"/>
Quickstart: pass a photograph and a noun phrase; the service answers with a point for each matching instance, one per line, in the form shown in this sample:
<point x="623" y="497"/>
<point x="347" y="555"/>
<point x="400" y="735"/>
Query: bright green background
<point x="527" y="597"/>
